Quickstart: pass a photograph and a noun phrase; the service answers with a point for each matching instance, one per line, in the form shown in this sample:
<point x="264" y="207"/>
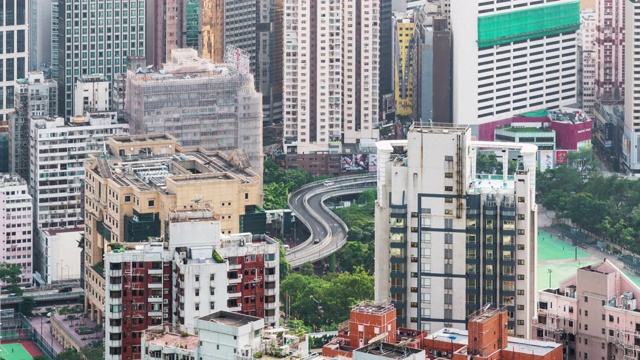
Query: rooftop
<point x="158" y="336"/>
<point x="229" y="318"/>
<point x="11" y="180"/>
<point x="147" y="162"/>
<point x="389" y="351"/>
<point x="437" y="128"/>
<point x="373" y="308"/>
<point x="522" y="129"/>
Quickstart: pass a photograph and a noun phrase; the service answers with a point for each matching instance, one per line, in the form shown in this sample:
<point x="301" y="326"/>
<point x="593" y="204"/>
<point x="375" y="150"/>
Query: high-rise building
<point x="14" y="24"/>
<point x="404" y="28"/>
<point x="268" y="74"/>
<point x="512" y="57"/>
<point x="208" y="26"/>
<point x="195" y="271"/>
<point x="593" y="312"/>
<point x="430" y="52"/>
<point x="610" y="45"/>
<point x="449" y="240"/>
<point x="138" y="294"/>
<point x="386" y="72"/>
<point x="199" y="103"/>
<point x="237" y="272"/>
<point x="96" y="38"/>
<point x="631" y="138"/>
<point x="131" y="190"/>
<point x="37" y="97"/>
<point x="58" y="151"/>
<point x="43" y="37"/>
<point x="331" y="72"/>
<point x="16" y="225"/>
<point x="587" y="60"/>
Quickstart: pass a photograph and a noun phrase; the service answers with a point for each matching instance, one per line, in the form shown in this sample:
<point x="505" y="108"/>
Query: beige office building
<point x="130" y="192"/>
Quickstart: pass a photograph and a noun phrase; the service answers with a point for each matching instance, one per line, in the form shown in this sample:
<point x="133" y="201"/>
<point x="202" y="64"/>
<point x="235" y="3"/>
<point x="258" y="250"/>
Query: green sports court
<point x="14" y="351"/>
<point x="559" y="257"/>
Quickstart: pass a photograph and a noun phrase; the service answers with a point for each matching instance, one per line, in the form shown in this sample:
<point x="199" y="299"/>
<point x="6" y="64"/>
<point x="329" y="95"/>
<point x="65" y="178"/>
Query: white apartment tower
<point x="14" y="24"/>
<point x="512" y="57"/>
<point x="631" y="140"/>
<point x="58" y="151"/>
<point x="610" y="45"/>
<point x="330" y="74"/>
<point x="587" y="60"/>
<point x="450" y="241"/>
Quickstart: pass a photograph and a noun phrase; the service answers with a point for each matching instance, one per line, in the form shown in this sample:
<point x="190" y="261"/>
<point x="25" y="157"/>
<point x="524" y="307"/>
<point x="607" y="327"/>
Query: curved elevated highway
<point x="308" y="205"/>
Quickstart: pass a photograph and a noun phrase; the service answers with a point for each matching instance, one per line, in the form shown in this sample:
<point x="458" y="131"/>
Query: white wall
<point x="63" y="262"/>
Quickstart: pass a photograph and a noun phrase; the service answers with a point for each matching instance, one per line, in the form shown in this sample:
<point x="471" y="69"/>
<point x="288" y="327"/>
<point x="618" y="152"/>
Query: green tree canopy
<point x="10" y="276"/>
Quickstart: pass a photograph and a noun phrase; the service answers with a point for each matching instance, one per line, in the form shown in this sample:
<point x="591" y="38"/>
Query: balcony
<point x="237" y="280"/>
<point x="115" y="287"/>
<point x="270" y="264"/>
<point x="270" y="306"/>
<point x="154" y="313"/>
<point x="269" y="278"/>
<point x="115" y="301"/>
<point x="270" y="319"/>
<point x="235" y="266"/>
<point x="234" y="295"/>
<point x="114" y="343"/>
<point x="155" y="285"/>
<point x="116" y="273"/>
<point x="236" y="308"/>
<point x="114" y="329"/>
<point x="155" y="271"/>
<point x="269" y="292"/>
<point x="155" y="299"/>
<point x="116" y="315"/>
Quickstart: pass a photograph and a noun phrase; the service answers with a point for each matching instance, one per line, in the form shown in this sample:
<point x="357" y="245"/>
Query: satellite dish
<point x="197" y="198"/>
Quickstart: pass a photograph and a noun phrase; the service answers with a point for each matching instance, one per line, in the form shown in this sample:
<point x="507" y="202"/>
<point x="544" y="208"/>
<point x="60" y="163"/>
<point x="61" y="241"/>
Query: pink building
<point x="16" y="225"/>
<point x="572" y="127"/>
<point x="593" y="313"/>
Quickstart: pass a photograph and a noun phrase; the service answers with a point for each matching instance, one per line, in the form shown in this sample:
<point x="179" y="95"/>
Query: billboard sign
<point x="561" y="157"/>
<point x="356" y="162"/>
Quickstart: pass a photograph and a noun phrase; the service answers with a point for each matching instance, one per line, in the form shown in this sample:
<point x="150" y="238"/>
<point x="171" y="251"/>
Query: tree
<point x="10" y="276"/>
<point x="93" y="352"/>
<point x="69" y="354"/>
<point x="27" y="305"/>
<point x="275" y="196"/>
<point x="285" y="267"/>
<point x="40" y="357"/>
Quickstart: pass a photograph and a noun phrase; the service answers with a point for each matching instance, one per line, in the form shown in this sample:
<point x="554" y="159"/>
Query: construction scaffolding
<point x="213" y="106"/>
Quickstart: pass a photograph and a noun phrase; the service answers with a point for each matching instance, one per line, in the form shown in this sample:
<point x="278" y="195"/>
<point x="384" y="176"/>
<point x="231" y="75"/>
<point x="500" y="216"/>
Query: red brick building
<point x="368" y="323"/>
<point x="487" y="339"/>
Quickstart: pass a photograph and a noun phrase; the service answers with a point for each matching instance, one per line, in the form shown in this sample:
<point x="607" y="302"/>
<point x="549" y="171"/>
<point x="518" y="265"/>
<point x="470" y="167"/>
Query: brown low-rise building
<point x="131" y="190"/>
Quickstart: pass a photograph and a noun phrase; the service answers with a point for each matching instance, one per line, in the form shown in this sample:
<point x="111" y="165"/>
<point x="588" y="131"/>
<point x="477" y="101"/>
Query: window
<point x="127" y="198"/>
<point x="448" y="223"/>
<point x="151" y="203"/>
<point x="448" y="188"/>
<point x="520" y="231"/>
<point x="520" y="216"/>
<point x="520" y="198"/>
<point x="488" y="239"/>
<point x="520" y="277"/>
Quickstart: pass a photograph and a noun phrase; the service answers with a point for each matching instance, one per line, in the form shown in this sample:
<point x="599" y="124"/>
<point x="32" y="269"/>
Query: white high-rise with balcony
<point x="330" y="74"/>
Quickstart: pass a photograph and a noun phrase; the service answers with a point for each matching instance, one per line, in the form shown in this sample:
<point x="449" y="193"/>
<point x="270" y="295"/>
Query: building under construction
<point x="214" y="106"/>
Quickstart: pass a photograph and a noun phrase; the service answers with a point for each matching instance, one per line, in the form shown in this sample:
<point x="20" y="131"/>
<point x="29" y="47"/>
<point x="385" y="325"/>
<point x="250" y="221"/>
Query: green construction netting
<point x="539" y="113"/>
<point x="504" y="28"/>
